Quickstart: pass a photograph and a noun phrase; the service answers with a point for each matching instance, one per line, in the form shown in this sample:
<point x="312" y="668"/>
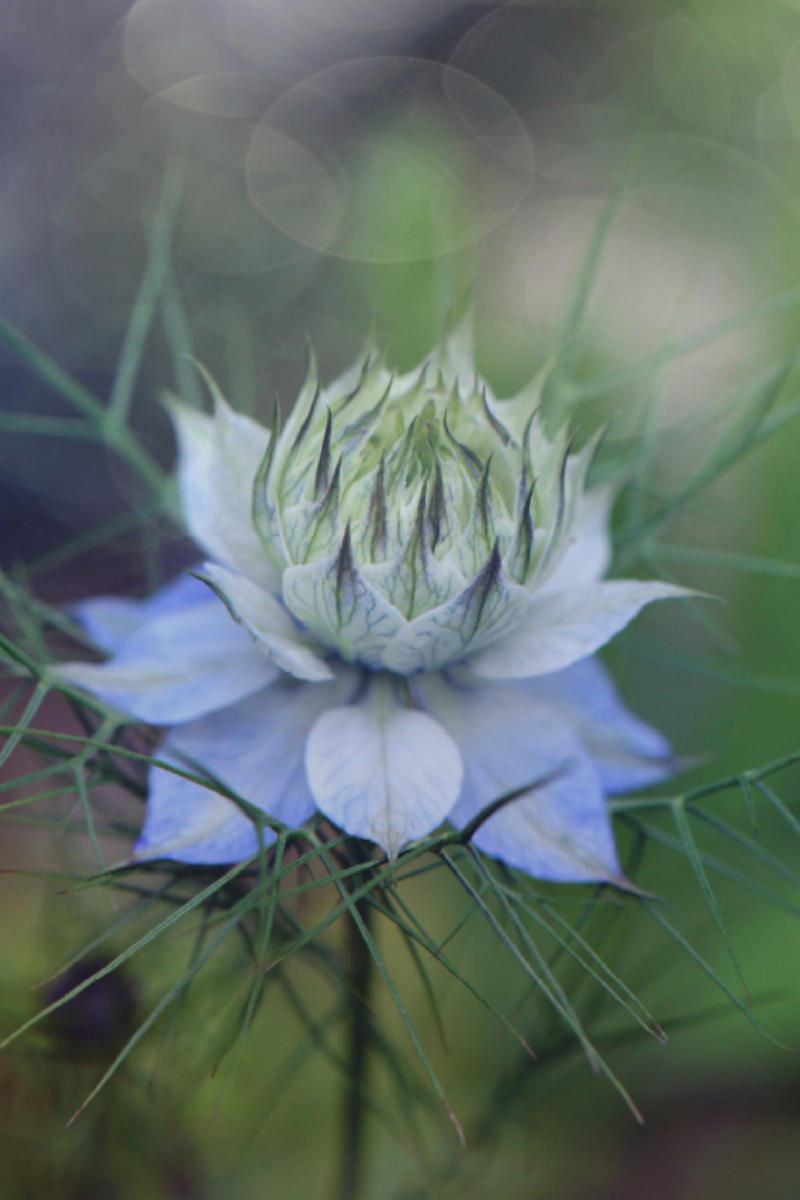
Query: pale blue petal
<point x="509" y="740"/>
<point x="177" y="667"/>
<point x="383" y="771"/>
<point x="256" y="748"/>
<point x="191" y="824"/>
<point x="560" y="628"/>
<point x="111" y="620"/>
<point x="263" y="615"/>
<point x="628" y="753"/>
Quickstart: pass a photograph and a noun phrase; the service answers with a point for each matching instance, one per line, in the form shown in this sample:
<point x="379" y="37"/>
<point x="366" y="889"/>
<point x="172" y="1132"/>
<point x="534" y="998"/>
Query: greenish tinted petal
<point x="265" y="510"/>
<point x="517" y="560"/>
<point x="299" y="421"/>
<point x="400" y="513"/>
<point x="562" y="525"/>
<point x="514" y="414"/>
<point x="488" y="526"/>
<point x="491" y="606"/>
<point x="337" y="604"/>
<point x="371" y="538"/>
<point x="586" y="553"/>
<point x="414" y="581"/>
<point x="455" y="354"/>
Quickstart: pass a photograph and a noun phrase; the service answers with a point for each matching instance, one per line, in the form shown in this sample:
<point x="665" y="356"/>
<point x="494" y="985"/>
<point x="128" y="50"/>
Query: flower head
<point x="401" y="513"/>
<point x="405" y="592"/>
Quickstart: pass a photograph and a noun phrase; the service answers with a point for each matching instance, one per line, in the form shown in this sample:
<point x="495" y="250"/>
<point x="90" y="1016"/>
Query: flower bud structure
<point x="396" y="627"/>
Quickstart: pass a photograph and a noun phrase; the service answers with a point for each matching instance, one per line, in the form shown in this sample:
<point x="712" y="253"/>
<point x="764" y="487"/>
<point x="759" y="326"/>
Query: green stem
<point x="115" y="434"/>
<point x="351" y="1171"/>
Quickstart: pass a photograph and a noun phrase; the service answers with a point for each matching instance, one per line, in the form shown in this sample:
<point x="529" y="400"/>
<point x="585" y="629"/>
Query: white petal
<point x="334" y="601"/>
<point x="269" y="623"/>
<point x="111" y="620"/>
<point x="177" y="667"/>
<point x="382" y="771"/>
<point x="256" y="748"/>
<point x="218" y="461"/>
<point x="482" y="612"/>
<point x="508" y="741"/>
<point x="587" y="553"/>
<point x="627" y="752"/>
<point x="563" y="627"/>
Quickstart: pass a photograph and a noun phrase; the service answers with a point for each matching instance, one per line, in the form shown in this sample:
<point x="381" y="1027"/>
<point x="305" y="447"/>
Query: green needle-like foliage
<point x="570" y="977"/>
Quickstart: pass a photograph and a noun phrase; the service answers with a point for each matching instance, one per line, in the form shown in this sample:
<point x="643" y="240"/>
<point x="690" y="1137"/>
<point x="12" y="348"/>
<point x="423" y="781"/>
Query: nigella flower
<point x="396" y="627"/>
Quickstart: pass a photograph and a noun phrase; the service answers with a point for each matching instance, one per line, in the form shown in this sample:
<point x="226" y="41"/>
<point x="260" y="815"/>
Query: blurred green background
<point x="342" y="163"/>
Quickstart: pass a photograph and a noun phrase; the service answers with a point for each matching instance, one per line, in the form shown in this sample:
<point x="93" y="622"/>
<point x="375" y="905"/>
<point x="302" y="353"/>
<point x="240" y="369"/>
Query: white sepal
<point x="562" y="627"/>
<point x="218" y="458"/>
<point x="586" y="554"/>
<point x="382" y="771"/>
<point x="111" y="620"/>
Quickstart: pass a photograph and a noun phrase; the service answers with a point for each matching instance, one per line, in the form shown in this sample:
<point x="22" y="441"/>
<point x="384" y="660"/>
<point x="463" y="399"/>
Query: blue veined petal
<point x="335" y="602"/>
<point x="218" y="459"/>
<point x="177" y="667"/>
<point x="508" y="740"/>
<point x="490" y="606"/>
<point x="256" y="748"/>
<point x="269" y="623"/>
<point x="383" y="771"/>
<point x="627" y="752"/>
<point x="111" y="620"/>
<point x="413" y="580"/>
<point x="560" y="628"/>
